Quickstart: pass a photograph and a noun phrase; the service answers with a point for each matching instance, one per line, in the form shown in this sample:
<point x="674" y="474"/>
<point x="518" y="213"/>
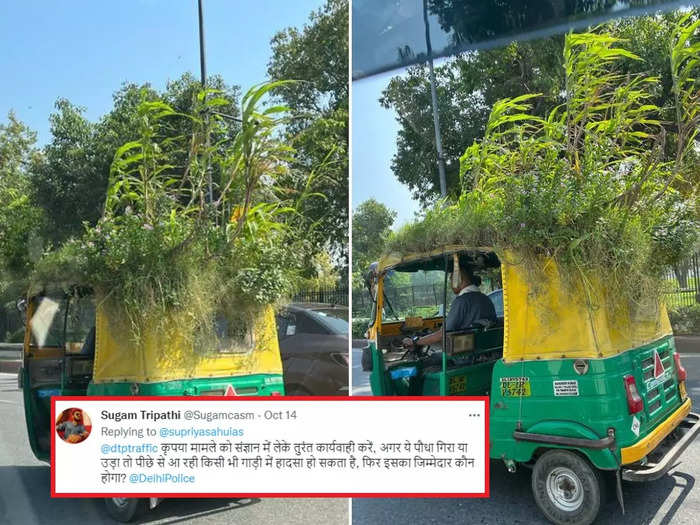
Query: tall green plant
<point x="176" y="242"/>
<point x="588" y="184"/>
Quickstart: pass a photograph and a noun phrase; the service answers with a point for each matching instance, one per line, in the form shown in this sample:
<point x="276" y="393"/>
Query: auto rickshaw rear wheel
<point x="125" y="510"/>
<point x="567" y="489"/>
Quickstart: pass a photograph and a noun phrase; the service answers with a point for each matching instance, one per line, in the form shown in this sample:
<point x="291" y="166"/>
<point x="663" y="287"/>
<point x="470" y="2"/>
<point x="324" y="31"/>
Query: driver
<point x="469" y="307"/>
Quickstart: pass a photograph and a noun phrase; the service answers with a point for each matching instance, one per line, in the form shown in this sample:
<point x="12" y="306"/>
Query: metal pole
<point x="203" y="72"/>
<point x="202" y="51"/>
<point x="433" y="96"/>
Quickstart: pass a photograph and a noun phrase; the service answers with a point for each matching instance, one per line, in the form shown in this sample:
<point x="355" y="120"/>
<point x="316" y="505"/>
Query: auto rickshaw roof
<point x="478" y="257"/>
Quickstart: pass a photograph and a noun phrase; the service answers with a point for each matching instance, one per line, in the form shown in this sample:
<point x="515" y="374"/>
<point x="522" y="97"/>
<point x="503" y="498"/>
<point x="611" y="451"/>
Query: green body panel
<point x="248" y="385"/>
<point x="37" y="409"/>
<point x="601" y="403"/>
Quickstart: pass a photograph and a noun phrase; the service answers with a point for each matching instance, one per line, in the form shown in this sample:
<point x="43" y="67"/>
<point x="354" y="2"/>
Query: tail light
<point x="682" y="374"/>
<point x="634" y="400"/>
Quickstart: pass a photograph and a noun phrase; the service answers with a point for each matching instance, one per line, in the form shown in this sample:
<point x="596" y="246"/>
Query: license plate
<point x="681" y="387"/>
<point x="458" y="384"/>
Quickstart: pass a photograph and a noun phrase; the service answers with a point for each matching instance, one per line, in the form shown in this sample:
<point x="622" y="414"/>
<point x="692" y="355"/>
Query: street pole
<point x="203" y="72"/>
<point x="433" y="97"/>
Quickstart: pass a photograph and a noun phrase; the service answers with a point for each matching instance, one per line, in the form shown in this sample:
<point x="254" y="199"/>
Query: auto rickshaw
<point x="74" y="347"/>
<point x="583" y="393"/>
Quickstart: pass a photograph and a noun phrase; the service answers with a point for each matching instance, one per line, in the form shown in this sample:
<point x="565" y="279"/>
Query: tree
<point x="371" y="225"/>
<point x="20" y="221"/>
<point x="467" y="88"/>
<point x="317" y="56"/>
<point x="470" y="84"/>
<point x="71" y="174"/>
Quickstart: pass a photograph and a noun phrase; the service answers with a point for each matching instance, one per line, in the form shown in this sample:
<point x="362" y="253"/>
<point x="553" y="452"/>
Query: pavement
<point x="673" y="499"/>
<point x="25" y="489"/>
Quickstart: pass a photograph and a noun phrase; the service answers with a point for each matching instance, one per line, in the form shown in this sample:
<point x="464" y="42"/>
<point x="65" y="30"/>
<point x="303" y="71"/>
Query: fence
<point x="323" y="295"/>
<point x="683" y="289"/>
<point x="683" y="282"/>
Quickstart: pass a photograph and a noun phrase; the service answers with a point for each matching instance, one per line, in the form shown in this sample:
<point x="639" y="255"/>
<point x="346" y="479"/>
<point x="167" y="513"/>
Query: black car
<point x="314" y="342"/>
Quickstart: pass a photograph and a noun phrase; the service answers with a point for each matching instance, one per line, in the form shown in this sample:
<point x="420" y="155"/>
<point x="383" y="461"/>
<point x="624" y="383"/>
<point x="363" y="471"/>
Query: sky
<point x="84" y="50"/>
<point x="374" y="131"/>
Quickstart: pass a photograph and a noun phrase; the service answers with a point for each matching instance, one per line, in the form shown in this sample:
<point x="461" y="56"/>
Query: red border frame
<point x="220" y="399"/>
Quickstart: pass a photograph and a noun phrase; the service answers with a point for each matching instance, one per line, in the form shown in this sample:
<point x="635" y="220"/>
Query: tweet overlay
<point x="269" y="446"/>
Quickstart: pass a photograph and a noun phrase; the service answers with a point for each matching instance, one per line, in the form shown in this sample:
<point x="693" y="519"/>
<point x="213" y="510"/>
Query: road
<point x="25" y="489"/>
<point x="673" y="499"/>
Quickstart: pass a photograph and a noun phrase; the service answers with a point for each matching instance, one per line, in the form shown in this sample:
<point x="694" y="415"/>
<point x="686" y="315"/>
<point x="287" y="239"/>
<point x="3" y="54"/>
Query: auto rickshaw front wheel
<point x="124" y="510"/>
<point x="567" y="489"/>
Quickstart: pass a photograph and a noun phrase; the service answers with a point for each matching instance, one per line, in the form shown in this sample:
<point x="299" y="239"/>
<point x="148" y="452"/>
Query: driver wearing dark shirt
<point x="469" y="307"/>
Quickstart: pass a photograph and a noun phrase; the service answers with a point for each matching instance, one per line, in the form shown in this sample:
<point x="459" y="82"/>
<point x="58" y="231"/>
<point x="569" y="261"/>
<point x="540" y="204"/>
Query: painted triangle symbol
<point x="658" y="365"/>
<point x="230" y="391"/>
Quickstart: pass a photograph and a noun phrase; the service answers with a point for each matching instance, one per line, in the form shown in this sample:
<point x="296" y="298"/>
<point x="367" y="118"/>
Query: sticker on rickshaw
<point x="651" y="384"/>
<point x="636" y="426"/>
<point x="515" y="386"/>
<point x="458" y="384"/>
<point x="568" y="387"/>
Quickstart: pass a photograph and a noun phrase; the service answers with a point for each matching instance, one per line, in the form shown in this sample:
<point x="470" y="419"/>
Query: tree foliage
<point x="163" y="249"/>
<point x="371" y="226"/>
<point x="20" y="220"/>
<point x="317" y="56"/>
<point x="470" y="84"/>
<point x="72" y="173"/>
<point x="591" y="183"/>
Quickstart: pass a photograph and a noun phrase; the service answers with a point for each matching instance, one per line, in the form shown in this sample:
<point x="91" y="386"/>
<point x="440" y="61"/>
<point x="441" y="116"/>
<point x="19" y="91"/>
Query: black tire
<point x="297" y="390"/>
<point x="567" y="489"/>
<point x="125" y="510"/>
<point x="367" y="359"/>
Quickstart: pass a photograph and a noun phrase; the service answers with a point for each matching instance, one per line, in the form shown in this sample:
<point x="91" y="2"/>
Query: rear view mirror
<point x="21" y="306"/>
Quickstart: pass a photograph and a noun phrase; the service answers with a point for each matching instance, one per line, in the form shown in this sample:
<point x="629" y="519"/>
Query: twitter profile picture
<point x="73" y="425"/>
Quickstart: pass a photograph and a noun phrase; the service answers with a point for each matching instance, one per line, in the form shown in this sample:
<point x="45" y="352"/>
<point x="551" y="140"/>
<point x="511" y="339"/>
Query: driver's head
<point x="466" y="277"/>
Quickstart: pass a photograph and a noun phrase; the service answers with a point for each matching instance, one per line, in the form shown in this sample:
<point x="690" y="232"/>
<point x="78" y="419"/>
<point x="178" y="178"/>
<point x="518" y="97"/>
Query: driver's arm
<point x="430" y="339"/>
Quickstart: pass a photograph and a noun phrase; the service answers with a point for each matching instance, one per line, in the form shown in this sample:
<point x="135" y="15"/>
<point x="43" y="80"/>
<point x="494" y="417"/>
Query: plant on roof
<point x="588" y="185"/>
<point x="175" y="243"/>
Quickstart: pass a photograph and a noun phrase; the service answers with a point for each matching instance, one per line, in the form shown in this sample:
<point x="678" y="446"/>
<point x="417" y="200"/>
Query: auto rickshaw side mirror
<point x="21" y="305"/>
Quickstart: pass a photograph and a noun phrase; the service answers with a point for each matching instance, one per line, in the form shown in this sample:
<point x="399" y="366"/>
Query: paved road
<point x="25" y="489"/>
<point x="673" y="499"/>
<point x="360" y="379"/>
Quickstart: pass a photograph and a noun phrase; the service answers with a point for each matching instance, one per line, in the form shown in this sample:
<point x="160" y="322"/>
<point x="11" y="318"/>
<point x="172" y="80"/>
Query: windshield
<point x="390" y="34"/>
<point x="332" y="320"/>
<point x="62" y="322"/>
<point x="414" y="294"/>
<point x="48" y="322"/>
<point x="420" y="293"/>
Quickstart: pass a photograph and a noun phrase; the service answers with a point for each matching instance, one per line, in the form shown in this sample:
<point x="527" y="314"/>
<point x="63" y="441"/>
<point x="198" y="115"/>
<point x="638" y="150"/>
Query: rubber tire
<point x="297" y="390"/>
<point x="134" y="508"/>
<point x="591" y="478"/>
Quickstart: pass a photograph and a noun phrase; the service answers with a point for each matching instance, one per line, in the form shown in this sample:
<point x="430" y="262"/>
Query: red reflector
<point x="634" y="400"/>
<point x="230" y="391"/>
<point x="275" y="393"/>
<point x="682" y="374"/>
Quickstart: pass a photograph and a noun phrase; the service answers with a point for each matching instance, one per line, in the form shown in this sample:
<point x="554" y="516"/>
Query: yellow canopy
<point x="166" y="357"/>
<point x="551" y="323"/>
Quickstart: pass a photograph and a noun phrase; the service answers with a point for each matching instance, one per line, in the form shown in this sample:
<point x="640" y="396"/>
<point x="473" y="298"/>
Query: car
<point x="314" y="341"/>
<point x="497" y="299"/>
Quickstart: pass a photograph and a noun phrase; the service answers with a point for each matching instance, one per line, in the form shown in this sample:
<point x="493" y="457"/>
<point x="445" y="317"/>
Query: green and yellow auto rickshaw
<point x="577" y="388"/>
<point x="74" y="347"/>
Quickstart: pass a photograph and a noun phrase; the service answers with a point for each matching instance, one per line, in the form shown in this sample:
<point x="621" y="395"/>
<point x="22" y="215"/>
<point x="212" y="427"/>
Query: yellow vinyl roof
<point x="166" y="357"/>
<point x="547" y="321"/>
<point x="552" y="323"/>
